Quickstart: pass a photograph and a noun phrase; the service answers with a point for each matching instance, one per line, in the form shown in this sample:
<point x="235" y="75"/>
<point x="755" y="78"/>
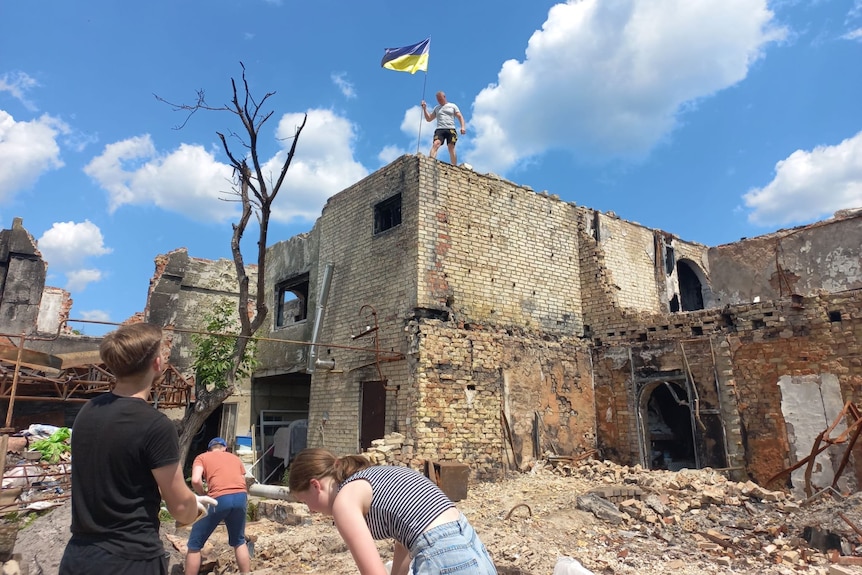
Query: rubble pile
<point x="687" y="521"/>
<point x="612" y="519"/>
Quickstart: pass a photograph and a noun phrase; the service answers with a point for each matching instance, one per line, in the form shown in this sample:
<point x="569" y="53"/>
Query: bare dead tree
<point x="255" y="193"/>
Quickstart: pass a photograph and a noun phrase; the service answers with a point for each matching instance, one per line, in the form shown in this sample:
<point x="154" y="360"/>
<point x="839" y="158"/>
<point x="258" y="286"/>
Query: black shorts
<point x="446" y="136"/>
<point x="80" y="558"/>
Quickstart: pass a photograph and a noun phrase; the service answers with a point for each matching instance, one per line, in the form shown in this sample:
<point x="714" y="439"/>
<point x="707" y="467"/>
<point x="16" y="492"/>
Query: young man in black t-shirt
<point x="125" y="460"/>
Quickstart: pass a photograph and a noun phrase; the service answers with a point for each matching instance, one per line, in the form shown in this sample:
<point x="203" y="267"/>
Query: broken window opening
<point x="291" y="301"/>
<point x="387" y="214"/>
<point x="669" y="259"/>
<point x="690" y="287"/>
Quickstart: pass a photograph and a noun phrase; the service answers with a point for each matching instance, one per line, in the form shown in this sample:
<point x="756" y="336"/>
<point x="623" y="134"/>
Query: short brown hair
<point x="129" y="349"/>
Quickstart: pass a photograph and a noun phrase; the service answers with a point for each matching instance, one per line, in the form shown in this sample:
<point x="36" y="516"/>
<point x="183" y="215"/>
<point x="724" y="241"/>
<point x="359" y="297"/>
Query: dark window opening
<point x="674" y="304"/>
<point x="690" y="288"/>
<point x="758" y="324"/>
<point x="696" y="330"/>
<point x="291" y="301"/>
<point x="669" y="259"/>
<point x="834" y="316"/>
<point x="387" y="214"/>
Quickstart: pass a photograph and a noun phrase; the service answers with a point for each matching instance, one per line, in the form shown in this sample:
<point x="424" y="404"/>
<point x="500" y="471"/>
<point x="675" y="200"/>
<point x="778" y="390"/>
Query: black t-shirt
<point x="116" y="442"/>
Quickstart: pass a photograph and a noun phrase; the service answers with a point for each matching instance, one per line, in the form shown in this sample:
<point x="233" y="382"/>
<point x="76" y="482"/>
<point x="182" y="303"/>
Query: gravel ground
<point x="649" y="521"/>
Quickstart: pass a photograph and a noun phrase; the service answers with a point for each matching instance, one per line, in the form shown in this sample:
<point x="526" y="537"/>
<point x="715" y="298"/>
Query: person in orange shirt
<point x="224" y="474"/>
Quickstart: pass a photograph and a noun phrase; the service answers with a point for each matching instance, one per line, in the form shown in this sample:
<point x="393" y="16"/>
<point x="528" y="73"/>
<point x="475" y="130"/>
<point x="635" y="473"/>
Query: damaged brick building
<point x="467" y="318"/>
<point x="489" y="324"/>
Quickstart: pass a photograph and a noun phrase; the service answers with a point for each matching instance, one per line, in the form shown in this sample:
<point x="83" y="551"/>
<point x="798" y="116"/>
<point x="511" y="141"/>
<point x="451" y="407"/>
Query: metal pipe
<point x="322" y="297"/>
<point x="269" y="491"/>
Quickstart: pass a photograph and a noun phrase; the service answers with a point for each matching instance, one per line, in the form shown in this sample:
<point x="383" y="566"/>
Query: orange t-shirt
<point x="223" y="472"/>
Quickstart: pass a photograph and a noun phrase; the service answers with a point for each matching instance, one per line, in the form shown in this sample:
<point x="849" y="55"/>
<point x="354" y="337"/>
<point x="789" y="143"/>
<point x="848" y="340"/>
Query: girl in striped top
<point x="381" y="502"/>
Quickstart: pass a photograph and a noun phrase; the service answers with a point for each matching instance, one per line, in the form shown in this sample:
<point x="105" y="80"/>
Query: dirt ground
<point x="612" y="519"/>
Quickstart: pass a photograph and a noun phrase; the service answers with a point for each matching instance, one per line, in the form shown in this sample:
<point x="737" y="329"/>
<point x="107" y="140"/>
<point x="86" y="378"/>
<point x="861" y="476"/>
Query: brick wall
<point x="369" y="270"/>
<point x="749" y="349"/>
<point x="496" y="253"/>
<point x="466" y="378"/>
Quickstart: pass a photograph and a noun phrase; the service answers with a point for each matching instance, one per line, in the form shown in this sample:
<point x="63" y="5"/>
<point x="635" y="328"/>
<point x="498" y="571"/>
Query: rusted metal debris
<point x="824" y="442"/>
<point x="512" y="510"/>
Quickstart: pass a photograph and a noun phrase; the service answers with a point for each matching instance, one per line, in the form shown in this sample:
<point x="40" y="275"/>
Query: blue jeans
<point x="231" y="509"/>
<point x="451" y="548"/>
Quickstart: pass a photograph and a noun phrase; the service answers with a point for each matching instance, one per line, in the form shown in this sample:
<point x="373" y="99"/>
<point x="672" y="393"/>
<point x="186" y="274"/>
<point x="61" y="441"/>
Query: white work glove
<point x="204" y="504"/>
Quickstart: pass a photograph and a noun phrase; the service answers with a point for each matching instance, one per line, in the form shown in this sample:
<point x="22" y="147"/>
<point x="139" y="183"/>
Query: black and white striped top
<point x="403" y="502"/>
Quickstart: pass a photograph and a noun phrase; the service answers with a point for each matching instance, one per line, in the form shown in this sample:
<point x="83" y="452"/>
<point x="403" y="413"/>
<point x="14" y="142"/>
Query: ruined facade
<point x="489" y="324"/>
<point x="467" y="318"/>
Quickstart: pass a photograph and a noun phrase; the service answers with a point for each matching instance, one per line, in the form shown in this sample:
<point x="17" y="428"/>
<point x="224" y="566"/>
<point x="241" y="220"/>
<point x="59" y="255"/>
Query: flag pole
<point x="422" y="113"/>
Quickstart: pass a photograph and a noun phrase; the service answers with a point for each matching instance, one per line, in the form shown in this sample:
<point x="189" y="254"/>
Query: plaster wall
<point x="286" y="260"/>
<point x="826" y="256"/>
<point x="810" y="404"/>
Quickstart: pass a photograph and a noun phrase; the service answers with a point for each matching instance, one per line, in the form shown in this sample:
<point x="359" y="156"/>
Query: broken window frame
<point x="297" y="286"/>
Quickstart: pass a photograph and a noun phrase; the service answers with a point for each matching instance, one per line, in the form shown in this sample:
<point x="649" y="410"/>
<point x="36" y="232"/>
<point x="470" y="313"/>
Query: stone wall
<point x="475" y="385"/>
<point x="373" y="284"/>
<point x="630" y="262"/>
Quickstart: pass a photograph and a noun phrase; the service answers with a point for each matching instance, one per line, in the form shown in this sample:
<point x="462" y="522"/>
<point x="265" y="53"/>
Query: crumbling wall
<point x="754" y="352"/>
<point x="630" y="261"/>
<point x="824" y="256"/>
<point x="182" y="290"/>
<point x="22" y="278"/>
<point x="54" y="310"/>
<point x="497" y="399"/>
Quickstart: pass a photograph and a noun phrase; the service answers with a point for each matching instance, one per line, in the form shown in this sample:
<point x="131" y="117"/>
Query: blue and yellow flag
<point x="409" y="58"/>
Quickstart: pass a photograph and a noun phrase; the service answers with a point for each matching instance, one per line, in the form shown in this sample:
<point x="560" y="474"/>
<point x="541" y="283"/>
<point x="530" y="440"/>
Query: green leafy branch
<point x="214" y="350"/>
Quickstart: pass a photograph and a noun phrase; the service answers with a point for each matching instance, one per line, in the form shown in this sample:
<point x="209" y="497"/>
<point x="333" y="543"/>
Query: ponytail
<point x="319" y="463"/>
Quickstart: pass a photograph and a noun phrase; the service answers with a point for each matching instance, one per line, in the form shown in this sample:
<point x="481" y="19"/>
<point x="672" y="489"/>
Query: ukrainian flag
<point x="409" y="58"/>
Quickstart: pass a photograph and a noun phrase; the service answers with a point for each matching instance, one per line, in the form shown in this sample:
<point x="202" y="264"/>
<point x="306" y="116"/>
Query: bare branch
<point x="255" y="192"/>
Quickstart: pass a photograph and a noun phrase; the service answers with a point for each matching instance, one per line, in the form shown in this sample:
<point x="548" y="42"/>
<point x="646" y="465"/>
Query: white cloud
<point x="389" y="153"/>
<point x="323" y="165"/>
<point x="346" y="87"/>
<point x="192" y="182"/>
<point x="853" y="35"/>
<point x="810" y="185"/>
<point x="418" y="134"/>
<point x="77" y="280"/>
<point x="17" y="84"/>
<point x="188" y="180"/>
<point x="27" y="150"/>
<point x="609" y="79"/>
<point x="68" y="244"/>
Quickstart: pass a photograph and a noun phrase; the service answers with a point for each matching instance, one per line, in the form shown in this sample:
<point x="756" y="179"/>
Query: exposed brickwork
<point x="762" y="342"/>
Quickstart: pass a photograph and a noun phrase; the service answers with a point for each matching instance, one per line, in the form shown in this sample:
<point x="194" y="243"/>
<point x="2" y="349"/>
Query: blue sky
<point x="713" y="120"/>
